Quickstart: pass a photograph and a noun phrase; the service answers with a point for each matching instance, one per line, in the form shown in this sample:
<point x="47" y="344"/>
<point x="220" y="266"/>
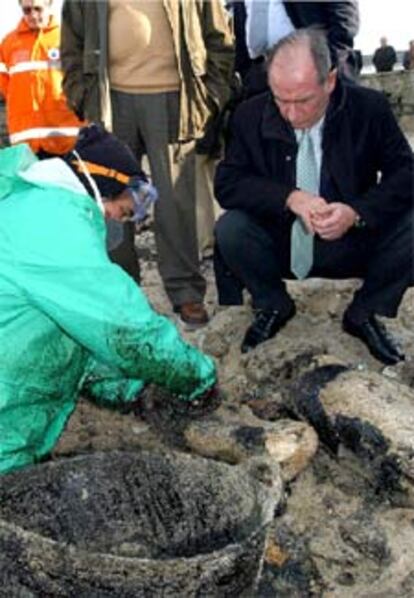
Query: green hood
<point x="20" y="168"/>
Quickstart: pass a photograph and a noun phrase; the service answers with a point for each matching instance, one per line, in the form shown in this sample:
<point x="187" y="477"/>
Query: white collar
<point x="53" y="171"/>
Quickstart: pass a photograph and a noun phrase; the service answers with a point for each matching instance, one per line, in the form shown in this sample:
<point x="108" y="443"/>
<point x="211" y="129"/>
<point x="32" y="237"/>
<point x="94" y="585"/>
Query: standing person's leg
<point x="125" y="127"/>
<point x="173" y="172"/>
<point x="207" y="208"/>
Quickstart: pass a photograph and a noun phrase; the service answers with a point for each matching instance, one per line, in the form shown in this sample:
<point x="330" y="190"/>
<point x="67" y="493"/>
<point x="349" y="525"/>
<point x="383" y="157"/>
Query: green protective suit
<point x="70" y="320"/>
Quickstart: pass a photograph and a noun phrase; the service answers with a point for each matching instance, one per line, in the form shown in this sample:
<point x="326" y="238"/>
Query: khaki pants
<point x="207" y="208"/>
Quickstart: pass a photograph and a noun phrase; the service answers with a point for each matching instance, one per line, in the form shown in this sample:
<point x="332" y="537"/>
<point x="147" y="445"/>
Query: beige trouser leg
<point x="207" y="208"/>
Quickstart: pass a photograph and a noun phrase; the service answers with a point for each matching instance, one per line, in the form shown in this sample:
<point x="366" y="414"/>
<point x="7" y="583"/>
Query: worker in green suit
<point x="71" y="321"/>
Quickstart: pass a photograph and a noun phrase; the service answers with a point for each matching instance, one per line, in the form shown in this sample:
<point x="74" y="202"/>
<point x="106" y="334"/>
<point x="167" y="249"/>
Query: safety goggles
<point x="142" y="193"/>
<point x="143" y="196"/>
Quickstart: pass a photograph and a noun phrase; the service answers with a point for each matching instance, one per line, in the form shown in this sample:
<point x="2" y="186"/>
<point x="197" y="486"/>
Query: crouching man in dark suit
<point x="317" y="181"/>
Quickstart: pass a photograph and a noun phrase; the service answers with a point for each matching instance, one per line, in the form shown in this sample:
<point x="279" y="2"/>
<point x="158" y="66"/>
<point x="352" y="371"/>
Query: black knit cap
<point x="95" y="144"/>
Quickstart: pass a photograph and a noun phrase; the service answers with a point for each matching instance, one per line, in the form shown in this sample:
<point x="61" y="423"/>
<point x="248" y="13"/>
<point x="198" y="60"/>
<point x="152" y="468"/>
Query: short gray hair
<point x="316" y="40"/>
<point x="49" y="3"/>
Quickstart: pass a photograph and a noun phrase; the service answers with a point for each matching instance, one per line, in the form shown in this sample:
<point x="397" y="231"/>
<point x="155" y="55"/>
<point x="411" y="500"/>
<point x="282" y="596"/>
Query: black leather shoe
<point x="376" y="337"/>
<point x="265" y="325"/>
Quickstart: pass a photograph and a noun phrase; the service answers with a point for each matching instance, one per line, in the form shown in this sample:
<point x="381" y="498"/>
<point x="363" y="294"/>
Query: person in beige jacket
<point x="155" y="72"/>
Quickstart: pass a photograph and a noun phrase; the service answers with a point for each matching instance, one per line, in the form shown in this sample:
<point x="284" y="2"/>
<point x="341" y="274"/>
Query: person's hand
<point x="204" y="404"/>
<point x="136" y="405"/>
<point x="304" y="205"/>
<point x="333" y="220"/>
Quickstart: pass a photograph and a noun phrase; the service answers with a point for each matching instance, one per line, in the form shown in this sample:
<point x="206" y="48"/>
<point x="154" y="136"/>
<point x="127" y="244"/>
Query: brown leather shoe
<point x="193" y="314"/>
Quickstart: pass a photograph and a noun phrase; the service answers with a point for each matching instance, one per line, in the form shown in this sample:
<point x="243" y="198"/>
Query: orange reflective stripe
<point x="33" y="65"/>
<point x="98" y="169"/>
<point x="43" y="133"/>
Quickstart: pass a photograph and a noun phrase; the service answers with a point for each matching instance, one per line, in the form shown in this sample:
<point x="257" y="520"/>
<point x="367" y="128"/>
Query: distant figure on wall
<point x="359" y="61"/>
<point x="384" y="57"/>
<point x="408" y="60"/>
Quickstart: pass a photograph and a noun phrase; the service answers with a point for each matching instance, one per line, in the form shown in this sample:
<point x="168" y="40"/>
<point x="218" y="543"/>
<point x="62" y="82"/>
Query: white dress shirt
<point x="278" y="24"/>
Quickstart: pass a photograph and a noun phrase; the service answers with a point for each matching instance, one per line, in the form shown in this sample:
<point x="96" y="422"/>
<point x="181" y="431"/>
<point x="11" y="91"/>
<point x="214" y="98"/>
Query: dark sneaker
<point x="376" y="337"/>
<point x="265" y="325"/>
<point x="192" y="314"/>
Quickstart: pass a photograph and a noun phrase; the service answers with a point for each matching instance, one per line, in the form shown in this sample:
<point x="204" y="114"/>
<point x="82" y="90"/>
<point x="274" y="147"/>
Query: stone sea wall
<point x="398" y="86"/>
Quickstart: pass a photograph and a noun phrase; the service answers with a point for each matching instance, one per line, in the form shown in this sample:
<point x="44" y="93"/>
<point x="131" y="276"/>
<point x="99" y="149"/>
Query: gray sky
<point x="392" y="18"/>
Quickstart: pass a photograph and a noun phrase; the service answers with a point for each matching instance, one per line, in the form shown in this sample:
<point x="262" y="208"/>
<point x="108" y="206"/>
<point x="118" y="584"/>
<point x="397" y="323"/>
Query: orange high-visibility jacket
<point x="31" y="84"/>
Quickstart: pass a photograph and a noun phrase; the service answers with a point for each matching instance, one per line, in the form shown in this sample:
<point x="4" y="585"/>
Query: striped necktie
<point x="307" y="179"/>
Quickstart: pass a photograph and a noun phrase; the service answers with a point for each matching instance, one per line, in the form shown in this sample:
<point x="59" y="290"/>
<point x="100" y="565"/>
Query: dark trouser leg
<point x="125" y="127"/>
<point x="125" y="255"/>
<point x="383" y="259"/>
<point x="256" y="259"/>
<point x="173" y="173"/>
<point x="390" y="271"/>
<point x="229" y="287"/>
<point x="148" y="123"/>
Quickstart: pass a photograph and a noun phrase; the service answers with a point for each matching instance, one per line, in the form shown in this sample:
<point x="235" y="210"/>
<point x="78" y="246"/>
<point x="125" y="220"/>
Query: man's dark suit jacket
<point x="361" y="139"/>
<point x="339" y="19"/>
